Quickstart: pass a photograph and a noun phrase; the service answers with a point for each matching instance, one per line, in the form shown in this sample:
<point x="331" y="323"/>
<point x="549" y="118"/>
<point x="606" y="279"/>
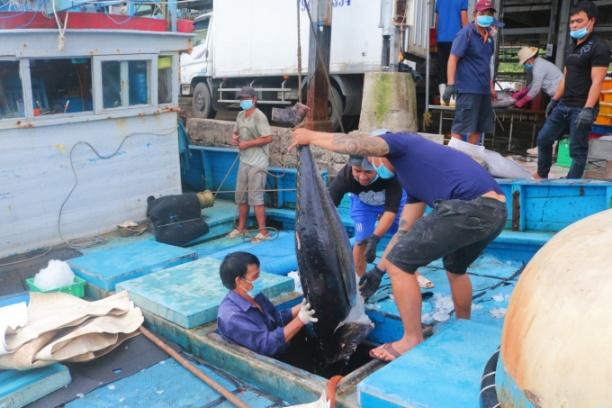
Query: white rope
<point x="61" y="30"/>
<point x="299" y="52"/>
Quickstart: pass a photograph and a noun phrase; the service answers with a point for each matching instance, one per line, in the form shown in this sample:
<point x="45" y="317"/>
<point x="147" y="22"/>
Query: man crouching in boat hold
<point x="469" y="211"/>
<point x="248" y="318"/>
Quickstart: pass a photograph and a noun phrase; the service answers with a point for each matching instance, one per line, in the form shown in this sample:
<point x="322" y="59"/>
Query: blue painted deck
<point x="19" y="388"/>
<point x="276" y="255"/>
<point x="442" y="372"/>
<point x="220" y="219"/>
<point x="445" y="370"/>
<point x="189" y="294"/>
<point x="492" y="282"/>
<point x="14" y="298"/>
<point x="167" y="384"/>
<point x="105" y="268"/>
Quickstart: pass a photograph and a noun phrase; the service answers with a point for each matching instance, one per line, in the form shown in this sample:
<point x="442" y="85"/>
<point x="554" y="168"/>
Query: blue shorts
<point x="365" y="216"/>
<point x="473" y="114"/>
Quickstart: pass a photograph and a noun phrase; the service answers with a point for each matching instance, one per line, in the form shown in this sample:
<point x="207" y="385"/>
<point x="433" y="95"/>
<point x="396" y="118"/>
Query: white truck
<point x="249" y="42"/>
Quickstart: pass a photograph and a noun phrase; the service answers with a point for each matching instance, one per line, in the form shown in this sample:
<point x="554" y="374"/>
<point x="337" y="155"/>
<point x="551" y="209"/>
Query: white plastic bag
<point x="496" y="164"/>
<point x="55" y="275"/>
<point x="465" y="147"/>
<point x="504" y="167"/>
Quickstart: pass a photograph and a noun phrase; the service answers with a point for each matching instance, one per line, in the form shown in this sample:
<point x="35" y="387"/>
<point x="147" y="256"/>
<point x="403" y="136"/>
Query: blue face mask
<point x="528" y="67"/>
<point x="580" y="33"/>
<point x="246" y="104"/>
<point x="383" y="172"/>
<point x="485" y="21"/>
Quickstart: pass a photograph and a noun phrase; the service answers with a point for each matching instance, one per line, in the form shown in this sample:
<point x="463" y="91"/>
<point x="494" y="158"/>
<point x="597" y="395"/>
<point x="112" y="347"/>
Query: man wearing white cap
<point x="545" y="76"/>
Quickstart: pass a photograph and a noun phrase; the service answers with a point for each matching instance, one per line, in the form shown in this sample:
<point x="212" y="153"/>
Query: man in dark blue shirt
<point x="250" y="319"/>
<point x="574" y="106"/>
<point x="451" y="16"/>
<point x="376" y="206"/>
<point x="469" y="75"/>
<point x="469" y="212"/>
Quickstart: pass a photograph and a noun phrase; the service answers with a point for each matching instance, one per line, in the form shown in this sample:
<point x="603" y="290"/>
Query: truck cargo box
<point x="259" y="38"/>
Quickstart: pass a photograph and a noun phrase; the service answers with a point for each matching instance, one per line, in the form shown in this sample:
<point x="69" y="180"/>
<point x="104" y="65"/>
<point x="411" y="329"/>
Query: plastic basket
<point x="77" y="288"/>
<point x="563" y="156"/>
<point x="603" y="120"/>
<point x="605" y="108"/>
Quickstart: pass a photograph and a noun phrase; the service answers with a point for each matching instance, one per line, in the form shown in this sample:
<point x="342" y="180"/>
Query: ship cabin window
<point x="11" y="95"/>
<point x="61" y="85"/>
<point x="125" y="83"/>
<point x="164" y="79"/>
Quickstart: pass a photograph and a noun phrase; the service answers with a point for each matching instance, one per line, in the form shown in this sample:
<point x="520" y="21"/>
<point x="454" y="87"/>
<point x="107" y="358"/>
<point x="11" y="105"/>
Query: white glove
<point x="307" y="314"/>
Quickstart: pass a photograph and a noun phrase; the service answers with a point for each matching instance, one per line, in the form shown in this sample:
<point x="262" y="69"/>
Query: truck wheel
<point x="336" y="108"/>
<point x="201" y="104"/>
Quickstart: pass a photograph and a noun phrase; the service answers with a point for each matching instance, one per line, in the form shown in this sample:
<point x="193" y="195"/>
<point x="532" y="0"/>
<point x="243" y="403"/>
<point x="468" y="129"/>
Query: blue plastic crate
<point x="601" y="129"/>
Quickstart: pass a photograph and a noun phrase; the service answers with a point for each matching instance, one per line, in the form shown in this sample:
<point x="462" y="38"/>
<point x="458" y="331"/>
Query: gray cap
<point x="362" y="162"/>
<point x="247" y="92"/>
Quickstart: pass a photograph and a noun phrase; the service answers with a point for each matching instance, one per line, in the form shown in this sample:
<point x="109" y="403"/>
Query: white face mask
<point x="251" y="292"/>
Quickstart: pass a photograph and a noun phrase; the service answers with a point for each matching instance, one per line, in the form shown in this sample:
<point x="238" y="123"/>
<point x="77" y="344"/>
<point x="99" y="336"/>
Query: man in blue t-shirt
<point x="469" y="211"/>
<point x="451" y="16"/>
<point x="469" y="75"/>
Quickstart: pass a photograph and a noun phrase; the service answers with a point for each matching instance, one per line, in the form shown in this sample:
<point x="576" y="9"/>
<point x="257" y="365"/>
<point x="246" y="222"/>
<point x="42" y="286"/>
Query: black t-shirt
<point x="381" y="192"/>
<point x="579" y="60"/>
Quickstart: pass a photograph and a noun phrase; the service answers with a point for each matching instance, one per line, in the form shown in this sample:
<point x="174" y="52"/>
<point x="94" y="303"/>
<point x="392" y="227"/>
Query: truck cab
<point x="196" y="67"/>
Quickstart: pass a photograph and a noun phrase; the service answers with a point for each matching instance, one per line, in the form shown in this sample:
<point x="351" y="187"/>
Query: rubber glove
<point x="550" y="107"/>
<point x="585" y="119"/>
<point x="306" y="314"/>
<point x="370" y="281"/>
<point x="520" y="94"/>
<point x="522" y="102"/>
<point x="449" y="92"/>
<point x="371" y="243"/>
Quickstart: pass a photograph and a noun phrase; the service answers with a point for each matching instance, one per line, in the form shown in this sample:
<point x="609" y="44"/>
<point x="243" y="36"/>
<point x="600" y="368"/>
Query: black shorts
<point x="457" y="231"/>
<point x="473" y="114"/>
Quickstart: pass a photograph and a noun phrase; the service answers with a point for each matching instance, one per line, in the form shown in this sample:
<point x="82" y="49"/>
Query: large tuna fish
<point x="326" y="266"/>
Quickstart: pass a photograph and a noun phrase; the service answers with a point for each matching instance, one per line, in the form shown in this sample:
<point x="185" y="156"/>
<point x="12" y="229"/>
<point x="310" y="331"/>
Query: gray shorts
<point x="473" y="113"/>
<point x="456" y="231"/>
<point x="250" y="184"/>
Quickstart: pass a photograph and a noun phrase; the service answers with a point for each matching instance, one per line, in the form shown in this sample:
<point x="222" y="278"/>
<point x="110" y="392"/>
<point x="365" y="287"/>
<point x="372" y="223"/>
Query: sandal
<point x="236" y="233"/>
<point x="424" y="283"/>
<point x="259" y="237"/>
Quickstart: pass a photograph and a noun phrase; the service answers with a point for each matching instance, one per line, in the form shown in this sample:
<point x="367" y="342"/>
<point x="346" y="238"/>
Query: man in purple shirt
<point x="469" y="211"/>
<point x="250" y="319"/>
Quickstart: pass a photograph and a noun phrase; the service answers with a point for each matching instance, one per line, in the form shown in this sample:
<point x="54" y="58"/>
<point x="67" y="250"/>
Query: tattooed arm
<point x="410" y="214"/>
<point x="358" y="143"/>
